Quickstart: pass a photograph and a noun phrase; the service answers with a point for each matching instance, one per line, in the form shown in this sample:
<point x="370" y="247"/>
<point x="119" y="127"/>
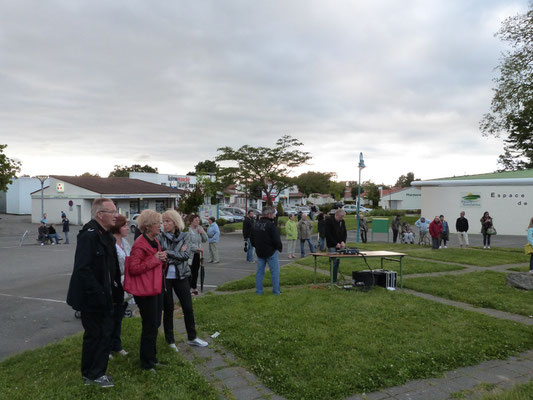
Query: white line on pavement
<point x="32" y="298"/>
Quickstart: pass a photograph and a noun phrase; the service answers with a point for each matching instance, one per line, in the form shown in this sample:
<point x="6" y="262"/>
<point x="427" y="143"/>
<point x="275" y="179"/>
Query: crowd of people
<point x="165" y="259"/>
<point x="107" y="271"/>
<point x="47" y="232"/>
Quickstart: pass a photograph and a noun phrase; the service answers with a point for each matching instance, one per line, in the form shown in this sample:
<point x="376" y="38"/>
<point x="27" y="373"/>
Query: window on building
<point x="160" y="206"/>
<point x="134" y="207"/>
<point x="144" y="205"/>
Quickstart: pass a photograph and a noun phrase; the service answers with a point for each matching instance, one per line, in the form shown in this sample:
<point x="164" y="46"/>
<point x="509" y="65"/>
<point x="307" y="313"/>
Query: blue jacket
<point x="213" y="233"/>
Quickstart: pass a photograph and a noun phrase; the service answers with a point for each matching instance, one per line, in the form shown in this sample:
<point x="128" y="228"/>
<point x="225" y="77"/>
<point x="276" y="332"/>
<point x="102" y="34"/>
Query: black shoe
<point x="104" y="381"/>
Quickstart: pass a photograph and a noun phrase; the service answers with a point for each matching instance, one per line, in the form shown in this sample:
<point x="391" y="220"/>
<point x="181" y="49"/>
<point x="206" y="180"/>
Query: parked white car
<point x="352" y="209"/>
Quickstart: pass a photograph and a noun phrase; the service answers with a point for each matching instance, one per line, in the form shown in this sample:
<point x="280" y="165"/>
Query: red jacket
<point x="435" y="229"/>
<point x="143" y="271"/>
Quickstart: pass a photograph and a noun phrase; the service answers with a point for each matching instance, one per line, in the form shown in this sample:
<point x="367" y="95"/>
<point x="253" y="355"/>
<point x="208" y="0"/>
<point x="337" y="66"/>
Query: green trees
<point x="263" y="167"/>
<point x="124" y="172"/>
<point x="405" y="180"/>
<point x="511" y="110"/>
<point x="8" y="168"/>
<point x="313" y="182"/>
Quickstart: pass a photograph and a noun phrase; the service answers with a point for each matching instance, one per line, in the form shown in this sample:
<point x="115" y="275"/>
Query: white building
<point x="507" y="196"/>
<point x="74" y="196"/>
<point x="184" y="182"/>
<point x="398" y="198"/>
<point x="17" y="198"/>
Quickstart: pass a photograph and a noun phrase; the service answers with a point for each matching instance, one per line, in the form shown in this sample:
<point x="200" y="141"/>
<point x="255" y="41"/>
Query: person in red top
<point x="143" y="277"/>
<point x="435" y="229"/>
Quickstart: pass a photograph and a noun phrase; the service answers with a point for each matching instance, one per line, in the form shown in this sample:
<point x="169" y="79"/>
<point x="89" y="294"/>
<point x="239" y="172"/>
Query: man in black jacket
<point x="94" y="287"/>
<point x="461" y="225"/>
<point x="247" y="226"/>
<point x="265" y="238"/>
<point x="336" y="236"/>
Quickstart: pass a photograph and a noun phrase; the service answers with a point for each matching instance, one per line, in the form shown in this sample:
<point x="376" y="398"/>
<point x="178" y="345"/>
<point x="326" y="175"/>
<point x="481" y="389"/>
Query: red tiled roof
<point x="117" y="185"/>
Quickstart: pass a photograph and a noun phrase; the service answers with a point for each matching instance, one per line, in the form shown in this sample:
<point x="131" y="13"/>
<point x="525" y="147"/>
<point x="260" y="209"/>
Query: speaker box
<point x="380" y="277"/>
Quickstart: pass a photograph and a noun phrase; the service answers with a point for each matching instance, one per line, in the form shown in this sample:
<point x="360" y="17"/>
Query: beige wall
<point x="511" y="207"/>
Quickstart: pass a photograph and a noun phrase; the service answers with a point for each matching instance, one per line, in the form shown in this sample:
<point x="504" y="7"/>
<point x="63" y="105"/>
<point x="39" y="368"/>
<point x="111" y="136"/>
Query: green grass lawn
<point x="470" y="256"/>
<point x="482" y="289"/>
<point x="289" y="275"/>
<point x="410" y="265"/>
<point x="53" y="372"/>
<point x="329" y="344"/>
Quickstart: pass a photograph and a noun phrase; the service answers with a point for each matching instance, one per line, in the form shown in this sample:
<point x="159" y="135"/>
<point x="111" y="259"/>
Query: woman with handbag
<point x="144" y="279"/>
<point x="196" y="237"/>
<point x="530" y="242"/>
<point x="486" y="229"/>
<point x="173" y="242"/>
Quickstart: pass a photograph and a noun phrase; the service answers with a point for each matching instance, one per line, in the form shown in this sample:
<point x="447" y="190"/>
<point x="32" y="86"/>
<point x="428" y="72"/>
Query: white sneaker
<point x="440" y="247"/>
<point x="445" y="247"/>
<point x="198" y="342"/>
<point x="173" y="347"/>
<point x="123" y="352"/>
<point x="42" y="244"/>
<point x="488" y="247"/>
<point x="484" y="247"/>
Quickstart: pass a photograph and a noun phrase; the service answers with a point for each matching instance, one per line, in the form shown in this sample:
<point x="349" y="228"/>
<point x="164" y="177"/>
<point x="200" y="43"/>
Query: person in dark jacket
<point x="247" y="226"/>
<point x="173" y="243"/>
<point x="396" y="225"/>
<point x="336" y="236"/>
<point x="267" y="242"/>
<point x="321" y="231"/>
<point x="94" y="287"/>
<point x="461" y="226"/>
<point x="66" y="228"/>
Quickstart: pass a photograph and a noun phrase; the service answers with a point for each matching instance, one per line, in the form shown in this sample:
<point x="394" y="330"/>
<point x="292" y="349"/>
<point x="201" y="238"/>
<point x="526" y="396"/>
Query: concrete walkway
<point x="221" y="368"/>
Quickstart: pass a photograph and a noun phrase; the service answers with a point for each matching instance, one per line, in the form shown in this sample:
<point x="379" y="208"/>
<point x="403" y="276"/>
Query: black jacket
<point x="172" y="244"/>
<point x="461" y="225"/>
<point x="322" y="228"/>
<point x="95" y="282"/>
<point x="335" y="231"/>
<point x="247" y="226"/>
<point x="265" y="238"/>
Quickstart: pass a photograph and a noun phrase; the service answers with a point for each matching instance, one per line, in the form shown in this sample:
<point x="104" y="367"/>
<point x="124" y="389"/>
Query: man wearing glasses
<point x="94" y="287"/>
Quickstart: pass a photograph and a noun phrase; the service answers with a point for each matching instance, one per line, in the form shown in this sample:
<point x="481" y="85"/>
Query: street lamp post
<point x="361" y="166"/>
<point x="42" y="179"/>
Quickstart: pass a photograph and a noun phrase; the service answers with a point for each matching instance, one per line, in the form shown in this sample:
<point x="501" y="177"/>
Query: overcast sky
<point x="89" y="84"/>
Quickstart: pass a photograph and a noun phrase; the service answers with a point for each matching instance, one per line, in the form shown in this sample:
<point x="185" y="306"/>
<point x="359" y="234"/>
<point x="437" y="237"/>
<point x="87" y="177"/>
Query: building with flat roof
<point x="17" y="198"/>
<point x="74" y="195"/>
<point x="507" y="196"/>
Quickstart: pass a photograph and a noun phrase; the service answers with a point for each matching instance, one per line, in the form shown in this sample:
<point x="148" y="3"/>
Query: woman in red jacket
<point x="435" y="229"/>
<point x="143" y="278"/>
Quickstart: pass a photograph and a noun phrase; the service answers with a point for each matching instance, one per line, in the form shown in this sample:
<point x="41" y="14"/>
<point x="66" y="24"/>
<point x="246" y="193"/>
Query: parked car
<point x="229" y="217"/>
<point x="303" y="209"/>
<point x="290" y="210"/>
<point x="352" y="209"/>
<point x="133" y="222"/>
<point x="234" y="211"/>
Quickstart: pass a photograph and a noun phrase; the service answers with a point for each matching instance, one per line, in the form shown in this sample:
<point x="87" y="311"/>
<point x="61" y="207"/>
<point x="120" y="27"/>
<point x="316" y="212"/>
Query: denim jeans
<point x="250" y="253"/>
<point x="273" y="265"/>
<point x="302" y="246"/>
<point x="336" y="263"/>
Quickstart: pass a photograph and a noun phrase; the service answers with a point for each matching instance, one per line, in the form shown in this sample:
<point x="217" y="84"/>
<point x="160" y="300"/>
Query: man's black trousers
<point x="96" y="339"/>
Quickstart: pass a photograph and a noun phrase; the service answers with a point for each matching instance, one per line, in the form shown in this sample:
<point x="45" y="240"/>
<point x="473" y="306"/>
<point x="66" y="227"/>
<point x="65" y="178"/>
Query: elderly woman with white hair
<point x="143" y="277"/>
<point x="173" y="242"/>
